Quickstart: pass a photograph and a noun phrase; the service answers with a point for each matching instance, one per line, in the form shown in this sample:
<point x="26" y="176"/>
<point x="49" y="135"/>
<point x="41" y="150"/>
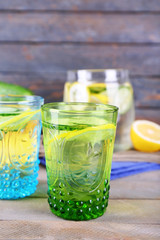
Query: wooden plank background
<point x="41" y="40"/>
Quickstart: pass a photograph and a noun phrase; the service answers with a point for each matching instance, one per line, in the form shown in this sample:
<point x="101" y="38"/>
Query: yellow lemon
<point x="66" y="92"/>
<point x="15" y="141"/>
<point x="99" y="98"/>
<point x="145" y="136"/>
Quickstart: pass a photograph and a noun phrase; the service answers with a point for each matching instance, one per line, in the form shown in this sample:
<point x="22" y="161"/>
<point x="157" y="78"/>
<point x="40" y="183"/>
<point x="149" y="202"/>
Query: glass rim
<point x="92" y="70"/>
<point x="105" y="107"/>
<point x="21" y="99"/>
<point x="112" y="75"/>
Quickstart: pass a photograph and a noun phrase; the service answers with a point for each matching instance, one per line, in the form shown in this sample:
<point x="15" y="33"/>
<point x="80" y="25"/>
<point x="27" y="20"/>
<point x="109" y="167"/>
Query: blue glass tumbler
<point x="20" y="131"/>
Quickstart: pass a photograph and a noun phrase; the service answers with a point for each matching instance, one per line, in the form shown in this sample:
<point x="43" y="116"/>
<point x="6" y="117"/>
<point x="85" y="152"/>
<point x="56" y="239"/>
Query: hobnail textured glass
<point x="20" y="130"/>
<point x="78" y="142"/>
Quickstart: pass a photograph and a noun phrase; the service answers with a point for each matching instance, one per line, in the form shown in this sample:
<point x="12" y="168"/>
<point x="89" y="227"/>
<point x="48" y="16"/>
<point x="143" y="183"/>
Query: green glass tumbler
<point x="78" y="141"/>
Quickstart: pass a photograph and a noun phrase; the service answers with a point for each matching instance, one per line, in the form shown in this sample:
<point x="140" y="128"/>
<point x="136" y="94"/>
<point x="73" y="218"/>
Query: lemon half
<point x="145" y="136"/>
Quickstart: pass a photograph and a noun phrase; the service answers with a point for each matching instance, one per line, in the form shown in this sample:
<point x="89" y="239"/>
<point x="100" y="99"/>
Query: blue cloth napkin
<point x="123" y="169"/>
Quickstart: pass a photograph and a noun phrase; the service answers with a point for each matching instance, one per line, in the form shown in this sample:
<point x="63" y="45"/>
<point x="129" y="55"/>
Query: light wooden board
<point x="137" y="156"/>
<point x="60" y="230"/>
<point x="133" y="212"/>
<point x="124" y="219"/>
<point x="124" y="210"/>
<point x="140" y="186"/>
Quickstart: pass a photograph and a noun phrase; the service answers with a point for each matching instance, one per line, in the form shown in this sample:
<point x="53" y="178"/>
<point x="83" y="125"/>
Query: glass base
<point x="78" y="210"/>
<point x="14" y="184"/>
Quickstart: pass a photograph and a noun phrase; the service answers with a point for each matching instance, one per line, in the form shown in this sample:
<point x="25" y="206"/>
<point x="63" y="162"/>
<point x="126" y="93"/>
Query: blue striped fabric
<point x="124" y="169"/>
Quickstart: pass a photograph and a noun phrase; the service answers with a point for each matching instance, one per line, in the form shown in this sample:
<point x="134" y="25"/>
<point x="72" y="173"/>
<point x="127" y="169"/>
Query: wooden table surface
<point x="133" y="211"/>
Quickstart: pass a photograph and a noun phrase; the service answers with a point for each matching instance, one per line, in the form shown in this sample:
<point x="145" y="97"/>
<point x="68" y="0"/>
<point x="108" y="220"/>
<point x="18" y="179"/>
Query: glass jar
<point x="107" y="86"/>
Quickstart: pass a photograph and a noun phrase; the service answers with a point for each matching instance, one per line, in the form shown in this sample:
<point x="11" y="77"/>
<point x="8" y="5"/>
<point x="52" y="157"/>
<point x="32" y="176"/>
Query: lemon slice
<point x="66" y="92"/>
<point x="99" y="98"/>
<point x="145" y="136"/>
<point x="79" y="93"/>
<point x="21" y="143"/>
<point x="18" y="120"/>
<point x="81" y="153"/>
<point x="89" y="134"/>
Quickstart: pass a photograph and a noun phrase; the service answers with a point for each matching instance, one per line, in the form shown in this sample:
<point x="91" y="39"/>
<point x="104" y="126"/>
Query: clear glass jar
<point x="107" y="86"/>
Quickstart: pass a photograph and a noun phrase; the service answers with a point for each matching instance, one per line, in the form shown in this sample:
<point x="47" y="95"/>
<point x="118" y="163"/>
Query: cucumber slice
<point x="11" y="110"/>
<point x="97" y="87"/>
<point x="123" y="99"/>
<point x="8" y="110"/>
